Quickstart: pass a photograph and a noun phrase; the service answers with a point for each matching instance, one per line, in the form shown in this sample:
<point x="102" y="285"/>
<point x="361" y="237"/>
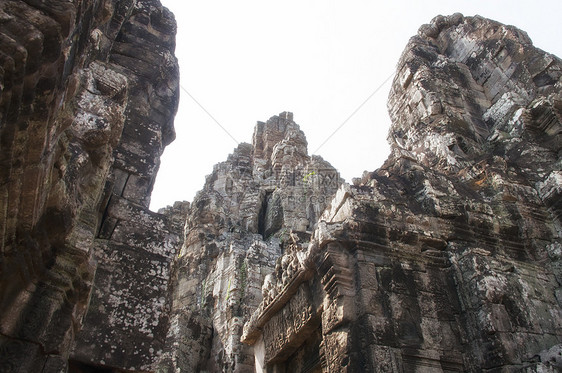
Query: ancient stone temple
<point x="445" y="259"/>
<point x="263" y="201"/>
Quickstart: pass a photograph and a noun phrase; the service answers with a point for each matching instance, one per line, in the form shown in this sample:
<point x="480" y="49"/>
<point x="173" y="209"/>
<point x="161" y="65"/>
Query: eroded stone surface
<point x="447" y="258"/>
<point x="88" y="92"/>
<point x="263" y="200"/>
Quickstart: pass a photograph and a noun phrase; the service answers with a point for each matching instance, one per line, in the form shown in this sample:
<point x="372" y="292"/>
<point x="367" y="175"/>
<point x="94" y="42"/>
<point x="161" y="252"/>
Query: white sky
<point x="245" y="61"/>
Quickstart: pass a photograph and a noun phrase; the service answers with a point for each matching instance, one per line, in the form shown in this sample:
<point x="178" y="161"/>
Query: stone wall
<point x="88" y="92"/>
<point x="263" y="200"/>
<point x="447" y="258"/>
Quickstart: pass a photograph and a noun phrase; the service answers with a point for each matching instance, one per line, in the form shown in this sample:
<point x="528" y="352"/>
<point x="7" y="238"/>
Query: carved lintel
<point x="290" y="326"/>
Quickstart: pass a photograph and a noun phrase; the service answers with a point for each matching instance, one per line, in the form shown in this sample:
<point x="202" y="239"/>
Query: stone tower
<point x="263" y="201"/>
<point x="447" y="258"/>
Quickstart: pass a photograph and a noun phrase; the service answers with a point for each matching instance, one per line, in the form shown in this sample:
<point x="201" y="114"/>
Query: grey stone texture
<point x="447" y="258"/>
<point x="88" y="93"/>
<point x="263" y="200"/>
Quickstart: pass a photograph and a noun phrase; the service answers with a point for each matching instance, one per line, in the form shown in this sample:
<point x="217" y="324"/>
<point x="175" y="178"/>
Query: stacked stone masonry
<point x="264" y="200"/>
<point x="445" y="259"/>
<point x="88" y="94"/>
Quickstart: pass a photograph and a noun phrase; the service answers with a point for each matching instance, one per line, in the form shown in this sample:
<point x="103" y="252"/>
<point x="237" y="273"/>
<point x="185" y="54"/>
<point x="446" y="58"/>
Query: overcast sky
<point x="245" y="61"/>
